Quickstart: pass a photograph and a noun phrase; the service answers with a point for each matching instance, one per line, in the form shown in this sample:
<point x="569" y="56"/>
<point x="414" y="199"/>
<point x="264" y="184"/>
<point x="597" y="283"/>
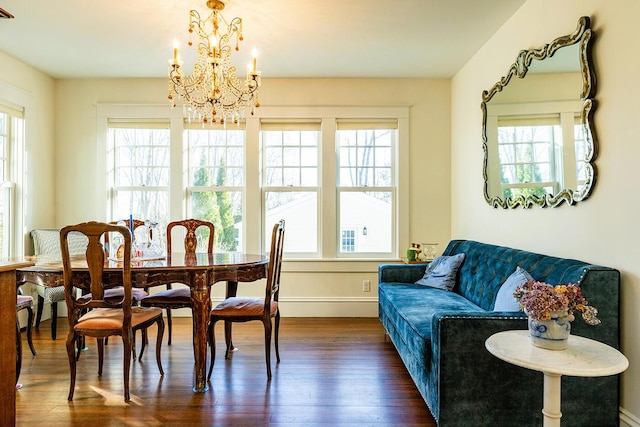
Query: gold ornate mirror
<point x="538" y="139"/>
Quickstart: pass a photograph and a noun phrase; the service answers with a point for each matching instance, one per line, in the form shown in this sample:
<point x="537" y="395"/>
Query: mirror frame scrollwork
<point x="583" y="36"/>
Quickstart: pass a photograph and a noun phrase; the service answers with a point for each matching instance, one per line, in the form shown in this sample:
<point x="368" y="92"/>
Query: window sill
<point x="346" y="265"/>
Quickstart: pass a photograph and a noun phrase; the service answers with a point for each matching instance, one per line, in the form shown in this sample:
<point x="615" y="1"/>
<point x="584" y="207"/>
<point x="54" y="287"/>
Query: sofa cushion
<point x="441" y="272"/>
<point x="486" y="267"/>
<point x="505" y="301"/>
<point x="411" y="307"/>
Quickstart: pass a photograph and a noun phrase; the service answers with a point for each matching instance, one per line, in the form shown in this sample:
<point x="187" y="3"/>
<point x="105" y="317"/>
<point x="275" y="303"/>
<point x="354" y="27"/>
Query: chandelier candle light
<point x="213" y="93"/>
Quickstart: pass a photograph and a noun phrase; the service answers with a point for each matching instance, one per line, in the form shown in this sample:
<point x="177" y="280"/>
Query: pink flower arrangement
<point x="539" y="300"/>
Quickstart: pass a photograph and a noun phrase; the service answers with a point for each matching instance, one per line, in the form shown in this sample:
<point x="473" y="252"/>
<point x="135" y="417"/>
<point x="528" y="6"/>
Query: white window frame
<point x="342" y="188"/>
<point x="15" y="103"/>
<point x="253" y="225"/>
<point x="190" y="189"/>
<point x="296" y="125"/>
<point x="329" y="240"/>
<point x="107" y="112"/>
<point x="567" y="110"/>
<point x="113" y="186"/>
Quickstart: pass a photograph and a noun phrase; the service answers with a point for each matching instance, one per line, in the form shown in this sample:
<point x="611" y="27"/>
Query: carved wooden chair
<point x="179" y="297"/>
<point x="245" y="309"/>
<point x="107" y="316"/>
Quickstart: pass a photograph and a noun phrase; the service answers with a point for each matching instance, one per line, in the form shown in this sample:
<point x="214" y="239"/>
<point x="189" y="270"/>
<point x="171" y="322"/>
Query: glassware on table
<point x="154" y="247"/>
<point x="429" y="251"/>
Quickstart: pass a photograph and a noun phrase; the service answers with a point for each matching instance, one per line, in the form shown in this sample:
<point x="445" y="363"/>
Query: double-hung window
<point x="290" y="177"/>
<point x="11" y="138"/>
<point x="334" y="175"/>
<point x="366" y="186"/>
<point x="139" y="172"/>
<point x="527" y="149"/>
<point x="216" y="181"/>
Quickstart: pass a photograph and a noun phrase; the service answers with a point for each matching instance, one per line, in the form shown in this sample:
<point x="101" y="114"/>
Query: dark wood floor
<point x="333" y="372"/>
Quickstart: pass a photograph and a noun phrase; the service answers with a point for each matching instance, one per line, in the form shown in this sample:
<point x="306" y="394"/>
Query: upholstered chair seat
<point x="242" y="306"/>
<point x="111" y="321"/>
<point x="174" y="297"/>
<point x="115" y="294"/>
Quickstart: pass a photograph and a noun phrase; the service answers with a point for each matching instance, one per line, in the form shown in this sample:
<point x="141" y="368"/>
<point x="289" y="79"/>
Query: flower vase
<point x="552" y="334"/>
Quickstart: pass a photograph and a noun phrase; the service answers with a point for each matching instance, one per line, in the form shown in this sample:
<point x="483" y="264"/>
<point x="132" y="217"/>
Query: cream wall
<point x="27" y="87"/>
<point x="602" y="229"/>
<point x="309" y="288"/>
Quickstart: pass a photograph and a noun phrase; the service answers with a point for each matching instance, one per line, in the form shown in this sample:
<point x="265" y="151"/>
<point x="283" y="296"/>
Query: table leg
<point x="551" y="400"/>
<point x="201" y="309"/>
<point x="232" y="291"/>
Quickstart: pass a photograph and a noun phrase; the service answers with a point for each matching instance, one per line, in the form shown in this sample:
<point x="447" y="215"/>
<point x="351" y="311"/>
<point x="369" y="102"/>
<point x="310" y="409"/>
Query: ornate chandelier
<point x="213" y="93"/>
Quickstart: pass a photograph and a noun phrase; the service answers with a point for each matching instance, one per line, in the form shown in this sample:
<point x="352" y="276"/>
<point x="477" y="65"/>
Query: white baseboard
<point x="627" y="419"/>
<point x="326" y="306"/>
<point x="329" y="307"/>
<point x="295" y="307"/>
<point x="315" y="307"/>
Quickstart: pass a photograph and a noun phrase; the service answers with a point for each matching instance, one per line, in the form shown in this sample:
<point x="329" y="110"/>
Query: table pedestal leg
<point x="551" y="400"/>
<point x="201" y="307"/>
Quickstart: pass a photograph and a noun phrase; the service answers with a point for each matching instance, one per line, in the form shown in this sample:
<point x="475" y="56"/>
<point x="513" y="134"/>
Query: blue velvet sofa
<point x="440" y="337"/>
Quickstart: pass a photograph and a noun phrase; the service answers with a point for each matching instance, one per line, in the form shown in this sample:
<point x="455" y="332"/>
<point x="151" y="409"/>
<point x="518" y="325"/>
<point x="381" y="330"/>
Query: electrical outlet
<point x="366" y="286"/>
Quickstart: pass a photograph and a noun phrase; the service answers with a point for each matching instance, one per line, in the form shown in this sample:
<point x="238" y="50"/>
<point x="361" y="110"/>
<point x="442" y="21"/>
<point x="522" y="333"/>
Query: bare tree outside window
<point x="527" y="160"/>
<point x="366" y="188"/>
<point x="141" y="173"/>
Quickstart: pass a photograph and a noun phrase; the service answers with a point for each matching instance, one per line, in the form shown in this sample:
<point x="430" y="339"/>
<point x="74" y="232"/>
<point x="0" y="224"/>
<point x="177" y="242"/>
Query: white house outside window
<point x="290" y="152"/>
<point x="366" y="184"/>
<point x="336" y="181"/>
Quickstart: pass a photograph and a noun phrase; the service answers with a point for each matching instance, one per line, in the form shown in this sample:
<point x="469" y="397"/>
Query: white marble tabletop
<point x="584" y="357"/>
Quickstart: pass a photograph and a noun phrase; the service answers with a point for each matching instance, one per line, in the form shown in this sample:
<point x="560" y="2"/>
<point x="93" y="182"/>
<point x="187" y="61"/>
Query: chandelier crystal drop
<point x="213" y="93"/>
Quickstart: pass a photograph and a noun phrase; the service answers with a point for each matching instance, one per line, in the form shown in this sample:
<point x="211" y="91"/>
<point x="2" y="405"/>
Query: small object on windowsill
<point x="406" y="261"/>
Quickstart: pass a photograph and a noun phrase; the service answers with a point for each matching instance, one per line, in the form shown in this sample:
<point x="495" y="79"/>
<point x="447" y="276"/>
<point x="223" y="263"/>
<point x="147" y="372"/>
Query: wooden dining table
<point x="198" y="271"/>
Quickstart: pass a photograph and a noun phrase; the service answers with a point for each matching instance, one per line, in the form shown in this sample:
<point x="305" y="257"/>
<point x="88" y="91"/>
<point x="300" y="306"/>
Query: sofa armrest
<point x="402" y="273"/>
<point x="475" y="386"/>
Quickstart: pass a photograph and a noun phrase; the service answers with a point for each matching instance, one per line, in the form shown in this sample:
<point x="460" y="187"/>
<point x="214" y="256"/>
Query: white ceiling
<point x="294" y="38"/>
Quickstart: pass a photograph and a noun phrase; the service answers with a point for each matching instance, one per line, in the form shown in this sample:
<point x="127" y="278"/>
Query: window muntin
<point x="530" y="155"/>
<point x="348" y="240"/>
<point x="250" y="233"/>
<point x="139" y="178"/>
<point x="580" y="139"/>
<point x="290" y="176"/>
<point x="366" y="185"/>
<point x="11" y="139"/>
<point x="216" y="181"/>
<point x="366" y="157"/>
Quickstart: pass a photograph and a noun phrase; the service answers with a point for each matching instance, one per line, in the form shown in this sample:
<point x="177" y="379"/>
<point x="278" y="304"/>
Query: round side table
<point x="583" y="358"/>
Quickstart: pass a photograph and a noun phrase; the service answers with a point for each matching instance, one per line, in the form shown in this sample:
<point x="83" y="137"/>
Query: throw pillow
<point x="441" y="272"/>
<point x="505" y="300"/>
